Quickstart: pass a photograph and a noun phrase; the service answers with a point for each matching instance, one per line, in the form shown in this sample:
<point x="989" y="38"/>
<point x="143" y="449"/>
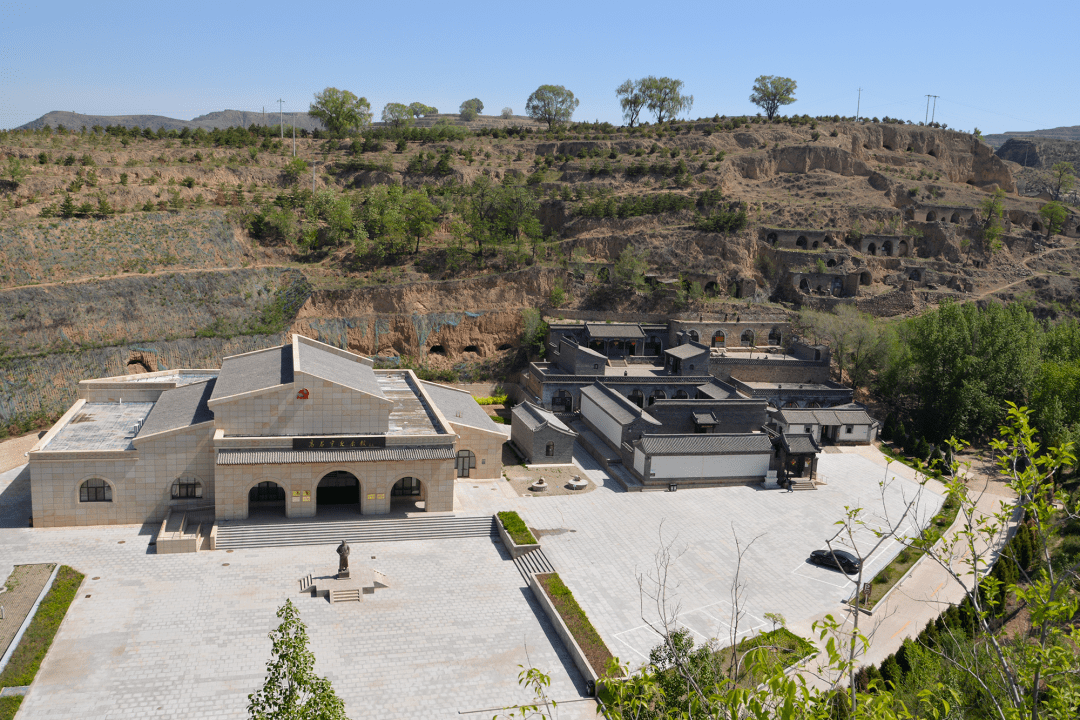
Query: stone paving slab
<point x="185" y="636"/>
<point x="610" y="539"/>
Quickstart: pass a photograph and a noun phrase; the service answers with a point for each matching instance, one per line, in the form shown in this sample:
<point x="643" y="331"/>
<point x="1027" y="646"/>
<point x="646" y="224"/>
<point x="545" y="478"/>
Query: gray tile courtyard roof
<point x="799" y="444"/>
<point x="614" y="330"/>
<point x="706" y="444"/>
<point x="684" y="352"/>
<point x="718" y="390"/>
<point x="459" y="406"/>
<point x="99" y="427"/>
<point x="288" y="457"/>
<point x="707" y="417"/>
<point x="535" y="417"/>
<point x="618" y="407"/>
<point x="179" y="408"/>
<point x="254" y="371"/>
<point x="824" y="416"/>
<point x="347" y="372"/>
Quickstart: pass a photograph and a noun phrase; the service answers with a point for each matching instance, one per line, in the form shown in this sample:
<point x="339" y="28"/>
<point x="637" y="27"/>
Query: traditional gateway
<point x="287" y="429"/>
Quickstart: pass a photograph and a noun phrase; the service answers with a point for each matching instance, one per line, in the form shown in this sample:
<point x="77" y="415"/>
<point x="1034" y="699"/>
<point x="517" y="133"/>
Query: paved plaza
<point x="184" y="636"/>
<point x="602" y="542"/>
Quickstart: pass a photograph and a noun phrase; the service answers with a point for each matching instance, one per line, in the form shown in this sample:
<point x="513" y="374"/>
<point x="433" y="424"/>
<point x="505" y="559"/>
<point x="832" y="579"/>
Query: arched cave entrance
<point x="747" y="338"/>
<point x="801" y="242"/>
<point x="266" y="498"/>
<point x="338" y="487"/>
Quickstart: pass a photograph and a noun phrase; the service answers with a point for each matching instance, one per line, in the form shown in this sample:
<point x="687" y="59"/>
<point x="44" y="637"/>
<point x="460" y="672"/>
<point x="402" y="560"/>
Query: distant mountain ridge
<point x="1071" y="132"/>
<point x="219" y="119"/>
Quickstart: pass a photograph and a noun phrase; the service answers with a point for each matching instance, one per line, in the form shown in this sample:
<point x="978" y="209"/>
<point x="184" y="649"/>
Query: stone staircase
<point x="533" y="561"/>
<point x="803" y="484"/>
<point x="238" y="534"/>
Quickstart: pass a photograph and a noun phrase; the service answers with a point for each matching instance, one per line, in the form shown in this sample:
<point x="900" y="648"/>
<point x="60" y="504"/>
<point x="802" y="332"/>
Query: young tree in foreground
<point x="664" y="98"/>
<point x="292" y="690"/>
<point x="772" y="91"/>
<point x="551" y="104"/>
<point x="340" y="110"/>
<point x="1055" y="214"/>
<point x="15" y="171"/>
<point x="632" y="100"/>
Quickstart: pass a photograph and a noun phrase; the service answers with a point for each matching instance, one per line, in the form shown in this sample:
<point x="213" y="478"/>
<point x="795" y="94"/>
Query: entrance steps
<point x="535" y="562"/>
<point x="803" y="485"/>
<point x="238" y="534"/>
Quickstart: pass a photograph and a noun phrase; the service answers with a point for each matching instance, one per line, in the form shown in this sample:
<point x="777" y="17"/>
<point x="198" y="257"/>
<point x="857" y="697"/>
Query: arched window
<point x="719" y="339"/>
<point x="693" y="335"/>
<point x="775" y="337"/>
<point x="657" y="395"/>
<point x="638" y="398"/>
<point x="747" y="339"/>
<point x="95" y="490"/>
<point x="682" y="395"/>
<point x="405" y="487"/>
<point x="550" y="449"/>
<point x="187" y="488"/>
<point x="466" y="461"/>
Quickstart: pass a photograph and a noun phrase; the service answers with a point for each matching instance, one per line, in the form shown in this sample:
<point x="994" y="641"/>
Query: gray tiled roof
<point x="706" y="444"/>
<point x="705" y="417"/>
<point x="254" y="371"/>
<point x="718" y="390"/>
<point x="339" y="370"/>
<point x="614" y="330"/>
<point x="535" y="417"/>
<point x="823" y="416"/>
<point x="684" y="352"/>
<point x="459" y="406"/>
<point x="618" y="407"/>
<point x="179" y="408"/>
<point x="799" y="444"/>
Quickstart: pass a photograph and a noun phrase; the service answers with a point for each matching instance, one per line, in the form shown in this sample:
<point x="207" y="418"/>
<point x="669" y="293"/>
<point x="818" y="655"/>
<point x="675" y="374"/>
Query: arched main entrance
<point x="266" y="498"/>
<point x="338" y="488"/>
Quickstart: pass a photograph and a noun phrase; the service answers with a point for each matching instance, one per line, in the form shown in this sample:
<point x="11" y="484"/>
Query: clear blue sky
<point x="996" y="65"/>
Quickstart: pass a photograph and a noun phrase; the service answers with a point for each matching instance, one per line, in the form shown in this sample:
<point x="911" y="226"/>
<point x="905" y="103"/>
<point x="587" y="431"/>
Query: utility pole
<point x="933" y="113"/>
<point x="294" y="140"/>
<point x="926" y="118"/>
<point x="281" y="120"/>
<point x="264" y="116"/>
<point x="858" y="107"/>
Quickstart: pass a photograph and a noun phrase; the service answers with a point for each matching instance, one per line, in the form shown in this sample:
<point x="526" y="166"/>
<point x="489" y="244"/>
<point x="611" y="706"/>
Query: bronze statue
<point x="343" y="558"/>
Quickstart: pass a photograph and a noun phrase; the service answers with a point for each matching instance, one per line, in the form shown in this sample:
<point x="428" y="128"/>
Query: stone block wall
<point x="486" y="444"/>
<point x="141" y="480"/>
<point x="329" y="409"/>
<point x="233" y="482"/>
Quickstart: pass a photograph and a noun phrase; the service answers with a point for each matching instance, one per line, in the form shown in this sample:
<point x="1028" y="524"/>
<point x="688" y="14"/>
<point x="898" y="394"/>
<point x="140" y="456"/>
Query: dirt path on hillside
<point x="1026" y="263"/>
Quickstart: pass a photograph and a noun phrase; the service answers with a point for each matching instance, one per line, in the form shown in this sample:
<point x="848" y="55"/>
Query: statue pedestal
<point x="346" y="586"/>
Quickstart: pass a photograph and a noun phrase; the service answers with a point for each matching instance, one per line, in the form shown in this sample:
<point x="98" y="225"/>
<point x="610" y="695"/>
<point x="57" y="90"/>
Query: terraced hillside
<point x="124" y="251"/>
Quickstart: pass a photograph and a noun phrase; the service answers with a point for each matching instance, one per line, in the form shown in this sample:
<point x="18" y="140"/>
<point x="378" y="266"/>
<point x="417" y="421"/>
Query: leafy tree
<point x="15" y="171"/>
<point x="664" y="98"/>
<point x="858" y="343"/>
<point x="772" y="91"/>
<point x="1055" y="214"/>
<point x="419" y="215"/>
<point x="340" y="110"/>
<point x="421" y="110"/>
<point x="292" y="690"/>
<point x="1060" y="180"/>
<point x="993" y="210"/>
<point x="629" y="270"/>
<point x="507" y="113"/>
<point x="397" y="115"/>
<point x="551" y="104"/>
<point x="471" y="109"/>
<point x="632" y="99"/>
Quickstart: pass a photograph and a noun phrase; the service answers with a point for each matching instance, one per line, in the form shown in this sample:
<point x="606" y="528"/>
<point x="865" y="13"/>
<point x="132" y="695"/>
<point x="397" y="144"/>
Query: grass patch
<point x="590" y="642"/>
<point x="889" y="575"/>
<point x="515" y="527"/>
<point x="492" y="400"/>
<point x="27" y="657"/>
<point x="9" y="706"/>
<point x="782" y="647"/>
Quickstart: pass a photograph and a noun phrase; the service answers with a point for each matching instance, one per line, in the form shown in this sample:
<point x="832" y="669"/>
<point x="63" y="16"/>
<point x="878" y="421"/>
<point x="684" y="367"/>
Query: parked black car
<point x="843" y="561"/>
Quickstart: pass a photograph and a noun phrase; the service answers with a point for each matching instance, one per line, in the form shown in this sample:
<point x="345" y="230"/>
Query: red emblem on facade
<point x="302" y="395"/>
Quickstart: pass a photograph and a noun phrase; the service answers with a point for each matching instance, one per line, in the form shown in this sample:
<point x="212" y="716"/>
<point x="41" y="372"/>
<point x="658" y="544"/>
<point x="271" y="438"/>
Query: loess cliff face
<point x="882" y="216"/>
